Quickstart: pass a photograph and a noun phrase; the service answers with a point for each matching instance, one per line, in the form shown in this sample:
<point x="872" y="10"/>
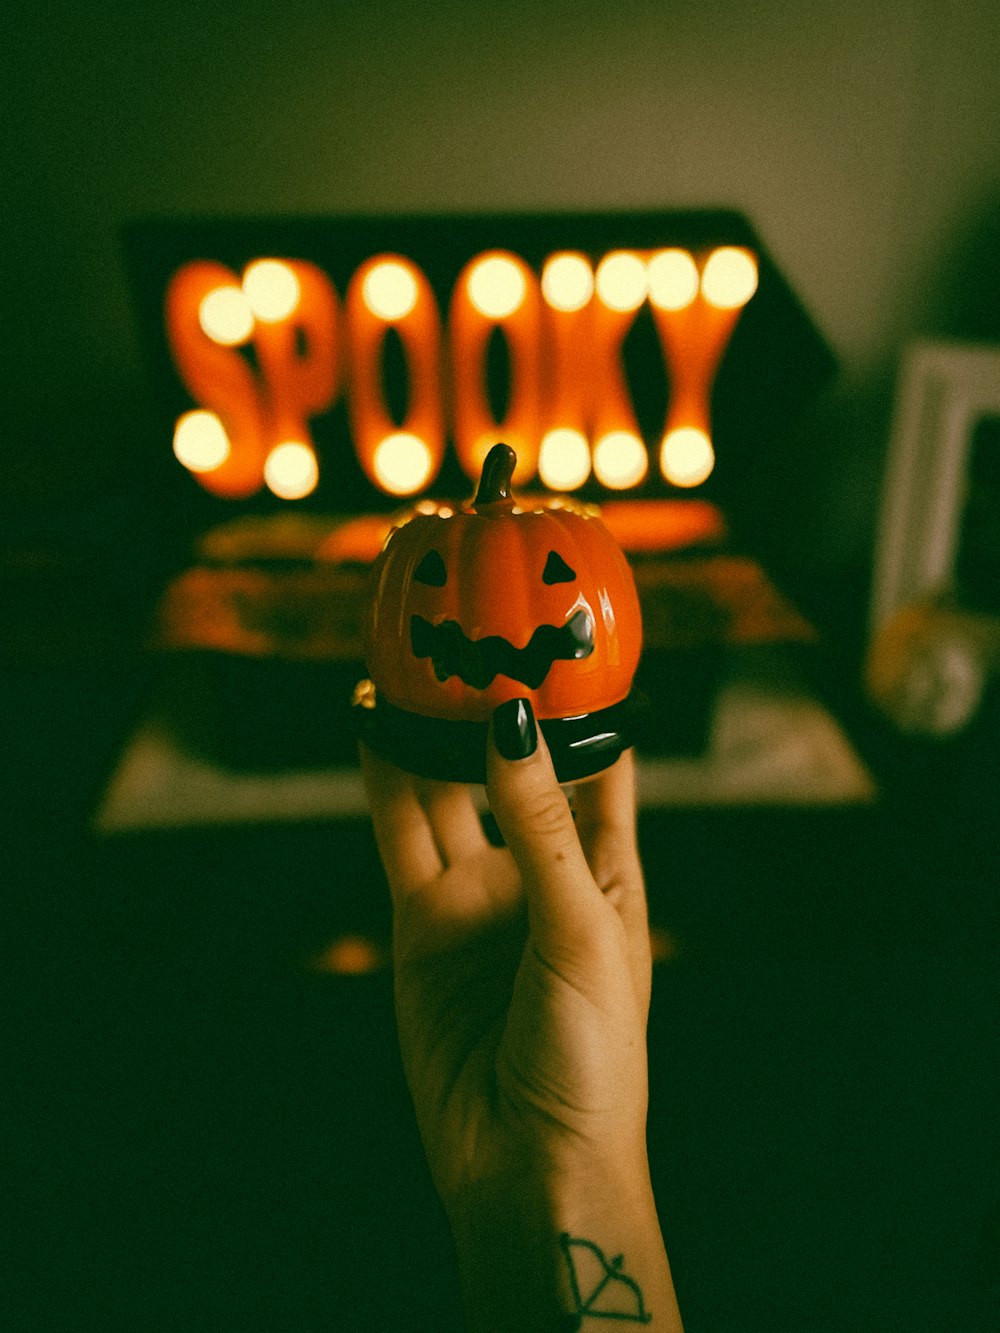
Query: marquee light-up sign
<point x="282" y="344"/>
<point x="569" y="407"/>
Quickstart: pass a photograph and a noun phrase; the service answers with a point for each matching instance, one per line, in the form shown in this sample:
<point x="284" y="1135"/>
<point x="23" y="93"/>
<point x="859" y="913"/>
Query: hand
<point x="522" y="974"/>
<point x="522" y="979"/>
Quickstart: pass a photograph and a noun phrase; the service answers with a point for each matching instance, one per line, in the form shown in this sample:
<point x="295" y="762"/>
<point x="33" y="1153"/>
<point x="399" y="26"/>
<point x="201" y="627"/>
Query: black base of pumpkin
<point x="455" y="750"/>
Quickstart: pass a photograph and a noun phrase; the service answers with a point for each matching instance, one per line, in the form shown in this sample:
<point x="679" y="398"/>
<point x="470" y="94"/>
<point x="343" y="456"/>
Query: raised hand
<point x="522" y="978"/>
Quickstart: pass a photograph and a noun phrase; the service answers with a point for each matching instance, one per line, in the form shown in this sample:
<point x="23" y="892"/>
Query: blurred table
<point x="772" y="742"/>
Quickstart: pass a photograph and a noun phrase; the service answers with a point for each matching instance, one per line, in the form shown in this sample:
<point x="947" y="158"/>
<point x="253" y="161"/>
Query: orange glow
<point x="622" y="282"/>
<point x="356" y="540"/>
<point x="568" y="384"/>
<point x="299" y="360"/>
<point x="398" y="457"/>
<point x="390" y="289"/>
<point x="352" y="956"/>
<point x="662" y="945"/>
<point x="564" y="460"/>
<point x="673" y="279"/>
<point x="658" y="526"/>
<point x="273" y="401"/>
<point x="686" y="457"/>
<point x="620" y="460"/>
<point x="612" y="420"/>
<point x="200" y="441"/>
<point x="218" y="378"/>
<point x="694" y="338"/>
<point x="567" y="281"/>
<point x="403" y="463"/>
<point x="291" y="470"/>
<point x="271" y="289"/>
<point x="497" y="289"/>
<point x="225" y="316"/>
<point x="496" y="285"/>
<point x="729" y="278"/>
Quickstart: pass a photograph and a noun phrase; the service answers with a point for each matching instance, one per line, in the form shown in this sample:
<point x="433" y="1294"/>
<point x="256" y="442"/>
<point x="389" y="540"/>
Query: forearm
<point x="583" y="1252"/>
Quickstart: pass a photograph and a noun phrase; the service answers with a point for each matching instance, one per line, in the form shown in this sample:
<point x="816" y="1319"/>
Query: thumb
<point x="534" y="817"/>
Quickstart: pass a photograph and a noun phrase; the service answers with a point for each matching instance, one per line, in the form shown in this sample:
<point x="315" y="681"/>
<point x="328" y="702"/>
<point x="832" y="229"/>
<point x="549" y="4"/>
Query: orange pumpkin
<point x="488" y="602"/>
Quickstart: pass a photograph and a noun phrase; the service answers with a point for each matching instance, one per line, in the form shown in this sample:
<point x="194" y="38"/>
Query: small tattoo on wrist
<point x="600" y="1289"/>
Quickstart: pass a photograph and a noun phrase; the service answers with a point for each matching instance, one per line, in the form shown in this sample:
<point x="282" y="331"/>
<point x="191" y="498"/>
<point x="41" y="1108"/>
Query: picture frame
<point x="945" y="388"/>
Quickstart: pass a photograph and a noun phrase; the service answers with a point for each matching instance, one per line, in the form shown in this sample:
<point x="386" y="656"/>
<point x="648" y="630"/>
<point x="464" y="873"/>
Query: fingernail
<point x="514" y="730"/>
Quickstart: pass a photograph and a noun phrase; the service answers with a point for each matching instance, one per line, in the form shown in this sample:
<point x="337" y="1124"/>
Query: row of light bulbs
<point x="403" y="461"/>
<point x="622" y="280"/>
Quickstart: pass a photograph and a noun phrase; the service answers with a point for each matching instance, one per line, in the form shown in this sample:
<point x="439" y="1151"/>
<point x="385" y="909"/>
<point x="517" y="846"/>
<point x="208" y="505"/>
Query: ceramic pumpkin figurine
<point x="488" y="602"/>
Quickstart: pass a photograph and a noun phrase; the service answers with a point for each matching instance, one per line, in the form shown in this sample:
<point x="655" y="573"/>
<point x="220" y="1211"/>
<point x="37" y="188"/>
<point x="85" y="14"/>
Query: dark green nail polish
<point x="514" y="729"/>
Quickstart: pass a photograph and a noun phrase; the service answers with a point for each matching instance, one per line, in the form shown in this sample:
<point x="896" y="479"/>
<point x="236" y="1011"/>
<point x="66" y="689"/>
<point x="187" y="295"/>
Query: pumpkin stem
<point x="494" y="483"/>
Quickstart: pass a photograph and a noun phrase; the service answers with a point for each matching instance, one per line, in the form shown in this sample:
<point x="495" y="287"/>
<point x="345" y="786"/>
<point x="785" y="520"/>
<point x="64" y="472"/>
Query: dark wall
<point x="860" y="139"/>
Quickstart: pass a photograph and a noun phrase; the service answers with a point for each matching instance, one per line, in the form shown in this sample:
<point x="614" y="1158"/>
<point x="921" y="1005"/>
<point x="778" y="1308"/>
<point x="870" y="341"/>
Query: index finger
<point x="402" y="831"/>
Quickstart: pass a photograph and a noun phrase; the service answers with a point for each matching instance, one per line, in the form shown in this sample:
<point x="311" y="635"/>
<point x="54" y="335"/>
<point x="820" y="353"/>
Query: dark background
<point x="200" y="1129"/>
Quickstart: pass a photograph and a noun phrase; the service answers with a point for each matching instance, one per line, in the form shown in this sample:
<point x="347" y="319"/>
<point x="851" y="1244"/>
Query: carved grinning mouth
<point x="478" y="661"/>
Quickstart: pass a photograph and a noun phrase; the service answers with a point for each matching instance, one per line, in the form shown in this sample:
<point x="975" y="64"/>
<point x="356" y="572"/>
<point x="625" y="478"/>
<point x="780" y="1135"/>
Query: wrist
<point x="537" y="1248"/>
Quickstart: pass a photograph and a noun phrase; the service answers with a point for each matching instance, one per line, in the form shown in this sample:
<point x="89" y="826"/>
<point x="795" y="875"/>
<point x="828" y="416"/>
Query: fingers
<point x="454" y="820"/>
<point x="421" y="827"/>
<point x="535" y="820"/>
<point x="403" y="833"/>
<point x="606" y="804"/>
<point x="606" y="824"/>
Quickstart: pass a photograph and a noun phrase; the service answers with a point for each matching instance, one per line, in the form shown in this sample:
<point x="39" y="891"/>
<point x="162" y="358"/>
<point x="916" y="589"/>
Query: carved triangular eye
<point x="556" y="570"/>
<point x="431" y="570"/>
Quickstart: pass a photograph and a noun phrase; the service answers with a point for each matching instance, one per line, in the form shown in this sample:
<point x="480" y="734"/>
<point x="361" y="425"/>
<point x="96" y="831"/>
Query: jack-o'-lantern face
<point x="488" y="603"/>
<point x="477" y="661"/>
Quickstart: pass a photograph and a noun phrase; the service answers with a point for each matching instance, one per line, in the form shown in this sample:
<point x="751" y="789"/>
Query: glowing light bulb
<point x="402" y="463"/>
<point x="389" y="290"/>
<point x="272" y="289"/>
<point x="622" y="281"/>
<point x="564" y="459"/>
<point x="291" y="470"/>
<point x="225" y="316"/>
<point x="567" y="282"/>
<point x="200" y="441"/>
<point x="686" y="456"/>
<point x="729" y="278"/>
<point x="620" y="460"/>
<point x="496" y="287"/>
<point x="673" y="279"/>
